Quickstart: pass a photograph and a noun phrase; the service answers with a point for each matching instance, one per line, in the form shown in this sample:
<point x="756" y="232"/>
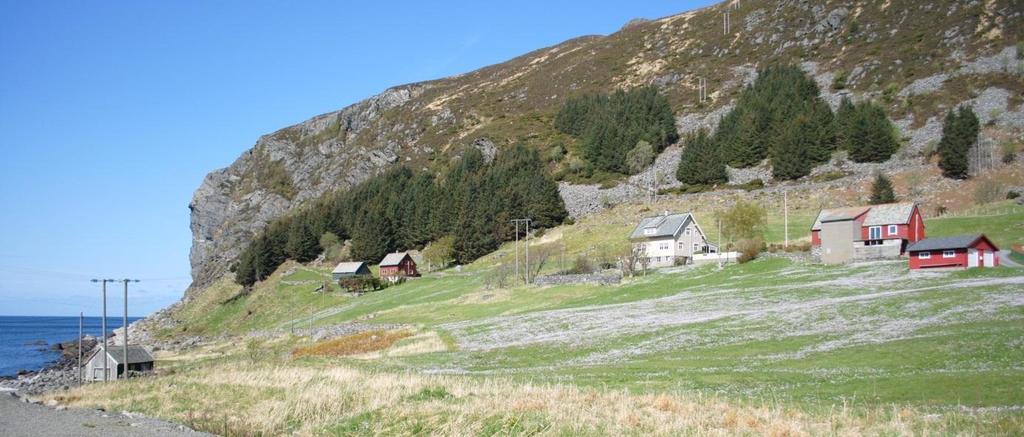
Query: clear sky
<point x="112" y="112"/>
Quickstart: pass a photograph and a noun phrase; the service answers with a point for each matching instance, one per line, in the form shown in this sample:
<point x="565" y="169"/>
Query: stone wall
<point x="586" y="278"/>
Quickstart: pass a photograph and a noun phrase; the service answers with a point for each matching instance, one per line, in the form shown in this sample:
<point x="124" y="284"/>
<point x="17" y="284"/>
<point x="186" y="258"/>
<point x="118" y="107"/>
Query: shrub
<point x="582" y="265"/>
<point x="1009" y="152"/>
<point x="839" y="81"/>
<point x="745" y="220"/>
<point x="360" y="284"/>
<point x="749" y="249"/>
<point x="989" y="191"/>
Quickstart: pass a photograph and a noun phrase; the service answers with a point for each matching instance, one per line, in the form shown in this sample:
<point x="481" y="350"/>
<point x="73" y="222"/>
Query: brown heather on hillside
<point x="918" y="58"/>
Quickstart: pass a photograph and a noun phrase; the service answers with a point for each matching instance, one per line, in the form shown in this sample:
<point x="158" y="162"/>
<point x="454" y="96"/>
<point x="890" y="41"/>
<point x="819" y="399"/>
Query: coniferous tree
<point x="870" y="136"/>
<point x="792" y="149"/>
<point x="881" y="190"/>
<point x="303" y="244"/>
<point x="700" y="162"/>
<point x="959" y="133"/>
<point x="611" y="126"/>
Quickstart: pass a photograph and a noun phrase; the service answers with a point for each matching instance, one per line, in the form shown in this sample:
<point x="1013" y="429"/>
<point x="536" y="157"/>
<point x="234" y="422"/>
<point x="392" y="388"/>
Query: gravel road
<point x="18" y="419"/>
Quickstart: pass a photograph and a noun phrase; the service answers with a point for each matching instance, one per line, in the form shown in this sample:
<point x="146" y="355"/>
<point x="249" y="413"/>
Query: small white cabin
<point x="139" y="360"/>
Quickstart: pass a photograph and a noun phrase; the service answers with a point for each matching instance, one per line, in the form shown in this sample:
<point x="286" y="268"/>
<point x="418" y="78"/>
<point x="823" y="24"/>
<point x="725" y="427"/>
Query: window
<point x="650" y="231"/>
<point x="663" y="246"/>
<point x="687" y="231"/>
<point x="924" y="255"/>
<point x="948" y="253"/>
<point x="892" y="230"/>
<point x="681" y="245"/>
<point x="875" y="232"/>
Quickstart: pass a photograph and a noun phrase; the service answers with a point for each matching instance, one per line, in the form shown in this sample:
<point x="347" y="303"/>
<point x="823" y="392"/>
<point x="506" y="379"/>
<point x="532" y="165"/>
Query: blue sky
<point x="111" y="113"/>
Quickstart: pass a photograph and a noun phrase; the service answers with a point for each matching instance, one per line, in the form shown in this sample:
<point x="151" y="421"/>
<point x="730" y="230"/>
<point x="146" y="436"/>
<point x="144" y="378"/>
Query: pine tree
<point x="700" y="162"/>
<point x="959" y="134"/>
<point x="303" y="244"/>
<point x="792" y="149"/>
<point x="881" y="190"/>
<point x="870" y="136"/>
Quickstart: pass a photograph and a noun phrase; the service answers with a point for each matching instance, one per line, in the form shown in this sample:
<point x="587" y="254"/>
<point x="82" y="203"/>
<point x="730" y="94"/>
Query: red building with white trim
<point x="398" y="265"/>
<point x="962" y="251"/>
<point x="879" y="224"/>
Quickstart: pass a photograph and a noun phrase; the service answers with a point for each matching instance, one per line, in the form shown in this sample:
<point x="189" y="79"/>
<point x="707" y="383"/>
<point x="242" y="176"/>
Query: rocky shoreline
<point x="61" y="374"/>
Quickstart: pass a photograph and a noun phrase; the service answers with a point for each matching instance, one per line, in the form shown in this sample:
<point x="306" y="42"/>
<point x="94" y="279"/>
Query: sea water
<point x="26" y="343"/>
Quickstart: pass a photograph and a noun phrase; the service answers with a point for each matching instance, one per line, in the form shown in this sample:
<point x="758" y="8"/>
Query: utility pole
<point x="124" y="341"/>
<point x="103" y="336"/>
<point x="516" y="221"/>
<point x="527" y="251"/>
<point x="527" y="223"/>
<point x="81" y="317"/>
<point x="785" y="215"/>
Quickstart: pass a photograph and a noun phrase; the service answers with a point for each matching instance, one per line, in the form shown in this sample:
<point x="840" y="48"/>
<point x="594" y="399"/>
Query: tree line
<point x="621" y="132"/>
<point x="469" y="203"/>
<point x="781" y="117"/>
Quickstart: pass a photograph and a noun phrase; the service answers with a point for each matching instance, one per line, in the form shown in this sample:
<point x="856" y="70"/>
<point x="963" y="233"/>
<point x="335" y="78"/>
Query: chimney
<point x="666" y="213"/>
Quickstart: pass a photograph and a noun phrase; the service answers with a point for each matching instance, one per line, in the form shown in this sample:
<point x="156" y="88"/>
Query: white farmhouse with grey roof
<point x="668" y="239"/>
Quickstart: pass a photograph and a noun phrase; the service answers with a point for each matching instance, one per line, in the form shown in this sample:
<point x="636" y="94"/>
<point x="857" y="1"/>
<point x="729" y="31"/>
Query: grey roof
<point x="348" y="267"/>
<point x="392" y="259"/>
<point x="877" y="215"/>
<point x="136" y="354"/>
<point x="665" y="225"/>
<point x="956" y="242"/>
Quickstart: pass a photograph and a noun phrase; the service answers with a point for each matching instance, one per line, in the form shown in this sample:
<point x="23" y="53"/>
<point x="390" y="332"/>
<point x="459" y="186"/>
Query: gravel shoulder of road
<point x="20" y="418"/>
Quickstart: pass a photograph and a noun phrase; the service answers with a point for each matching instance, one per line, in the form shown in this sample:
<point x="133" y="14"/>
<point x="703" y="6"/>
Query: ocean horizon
<point x="26" y="342"/>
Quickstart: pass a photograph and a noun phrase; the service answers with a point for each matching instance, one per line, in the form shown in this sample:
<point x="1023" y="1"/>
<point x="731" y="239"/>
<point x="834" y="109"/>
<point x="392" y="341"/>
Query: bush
<point x="749" y="249"/>
<point x="989" y="191"/>
<point x="745" y="220"/>
<point x="360" y="284"/>
<point x="839" y="81"/>
<point x="582" y="265"/>
<point x="1009" y="152"/>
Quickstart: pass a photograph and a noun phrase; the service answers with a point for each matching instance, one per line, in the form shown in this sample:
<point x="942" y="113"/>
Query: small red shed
<point x="962" y="251"/>
<point x="398" y="265"/>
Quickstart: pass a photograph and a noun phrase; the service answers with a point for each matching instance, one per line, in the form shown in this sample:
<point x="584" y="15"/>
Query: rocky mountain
<point x="918" y="58"/>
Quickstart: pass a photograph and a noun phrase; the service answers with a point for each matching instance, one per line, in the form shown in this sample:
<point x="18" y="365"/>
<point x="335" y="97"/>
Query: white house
<point x="669" y="239"/>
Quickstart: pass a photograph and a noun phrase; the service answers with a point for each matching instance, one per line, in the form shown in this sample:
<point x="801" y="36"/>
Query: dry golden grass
<point x="355" y="344"/>
<point x="237" y="398"/>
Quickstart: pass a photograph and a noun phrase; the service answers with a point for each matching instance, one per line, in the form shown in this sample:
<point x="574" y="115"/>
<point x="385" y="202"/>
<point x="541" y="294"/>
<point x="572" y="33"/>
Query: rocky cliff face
<point x="919" y="58"/>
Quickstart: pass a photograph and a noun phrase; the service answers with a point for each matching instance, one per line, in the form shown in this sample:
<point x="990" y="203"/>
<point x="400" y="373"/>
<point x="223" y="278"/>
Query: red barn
<point x="891" y="223"/>
<point x="963" y="251"/>
<point x="398" y="265"/>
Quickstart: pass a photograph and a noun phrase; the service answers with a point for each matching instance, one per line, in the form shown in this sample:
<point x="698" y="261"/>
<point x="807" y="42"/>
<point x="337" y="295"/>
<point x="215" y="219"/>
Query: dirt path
<point x="19" y="419"/>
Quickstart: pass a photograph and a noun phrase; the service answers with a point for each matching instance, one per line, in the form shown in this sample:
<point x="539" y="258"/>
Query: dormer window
<point x="650" y="231"/>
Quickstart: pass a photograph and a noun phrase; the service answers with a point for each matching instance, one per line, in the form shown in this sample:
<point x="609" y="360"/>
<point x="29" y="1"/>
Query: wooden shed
<point x="139" y="360"/>
<point x="350" y="270"/>
<point x="962" y="251"/>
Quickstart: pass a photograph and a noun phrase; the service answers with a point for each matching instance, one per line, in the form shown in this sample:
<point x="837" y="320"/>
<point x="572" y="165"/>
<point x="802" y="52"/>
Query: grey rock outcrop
<point x="325" y="153"/>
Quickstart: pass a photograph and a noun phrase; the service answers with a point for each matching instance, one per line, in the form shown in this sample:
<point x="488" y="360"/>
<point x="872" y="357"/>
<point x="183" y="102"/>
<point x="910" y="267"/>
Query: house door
<point x="990" y="258"/>
<point x="972" y="257"/>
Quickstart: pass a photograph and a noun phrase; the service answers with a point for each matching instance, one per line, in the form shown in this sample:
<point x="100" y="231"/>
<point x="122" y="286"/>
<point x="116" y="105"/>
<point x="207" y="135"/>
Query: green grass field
<point x="871" y="338"/>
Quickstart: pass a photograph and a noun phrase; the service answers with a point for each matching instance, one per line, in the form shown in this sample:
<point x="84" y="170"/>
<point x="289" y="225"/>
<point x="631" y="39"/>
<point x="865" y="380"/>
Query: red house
<point x="887" y="224"/>
<point x="398" y="265"/>
<point x="963" y="251"/>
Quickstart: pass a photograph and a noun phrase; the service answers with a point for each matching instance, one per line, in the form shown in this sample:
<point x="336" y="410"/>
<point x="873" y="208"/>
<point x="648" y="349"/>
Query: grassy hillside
<point x="772" y="346"/>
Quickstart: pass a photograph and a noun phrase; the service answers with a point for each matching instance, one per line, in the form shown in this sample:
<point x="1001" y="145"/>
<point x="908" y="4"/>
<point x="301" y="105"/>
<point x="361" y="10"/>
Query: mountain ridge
<point x="514" y="101"/>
